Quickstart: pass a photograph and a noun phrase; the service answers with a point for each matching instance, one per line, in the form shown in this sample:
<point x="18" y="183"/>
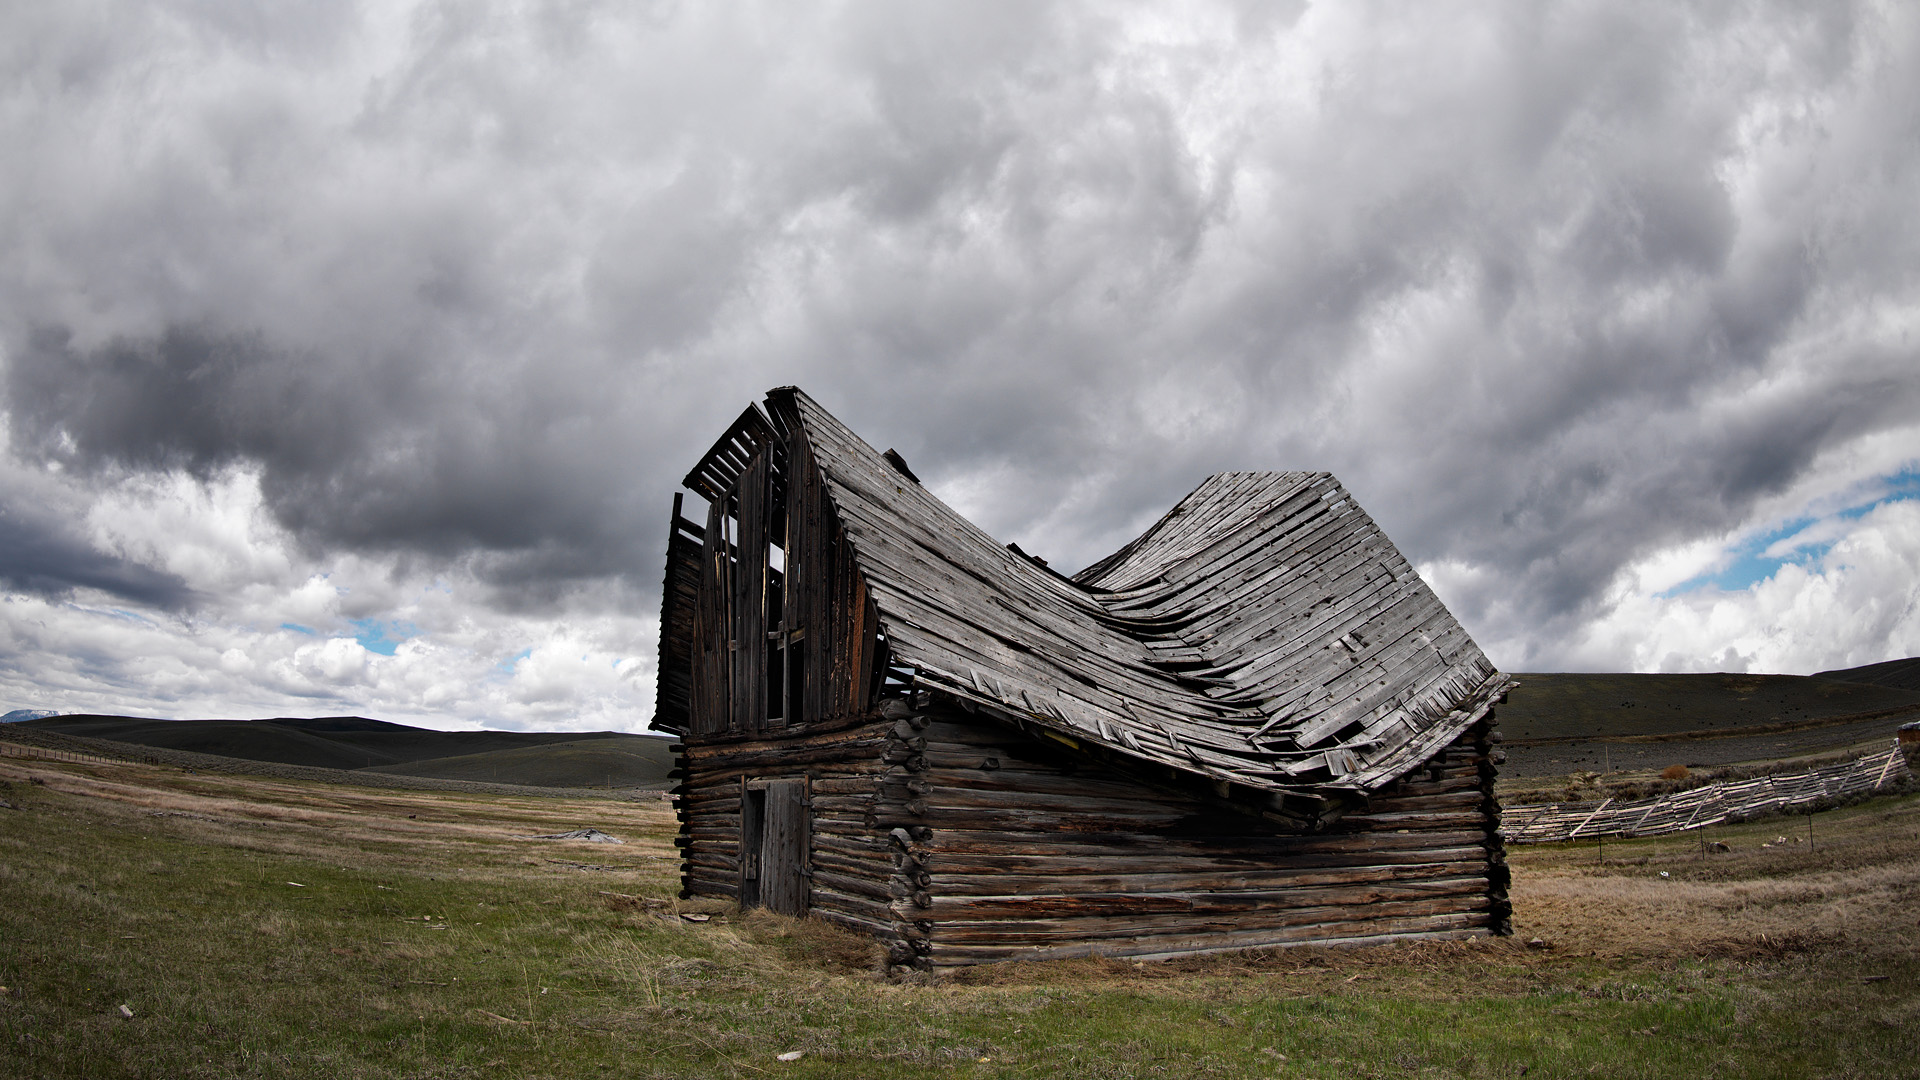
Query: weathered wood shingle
<point x="1264" y="632"/>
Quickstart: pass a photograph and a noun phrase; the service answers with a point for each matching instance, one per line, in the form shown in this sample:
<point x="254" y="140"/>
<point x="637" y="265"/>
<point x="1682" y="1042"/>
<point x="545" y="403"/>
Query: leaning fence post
<point x="1882" y="778"/>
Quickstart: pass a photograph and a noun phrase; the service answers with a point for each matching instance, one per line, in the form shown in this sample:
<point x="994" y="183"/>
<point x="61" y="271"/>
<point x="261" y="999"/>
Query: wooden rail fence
<point x="1709" y="804"/>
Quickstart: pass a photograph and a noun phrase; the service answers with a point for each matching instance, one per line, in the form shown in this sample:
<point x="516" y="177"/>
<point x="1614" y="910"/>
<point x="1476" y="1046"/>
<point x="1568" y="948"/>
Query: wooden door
<point x="775" y="835"/>
<point x="753" y="827"/>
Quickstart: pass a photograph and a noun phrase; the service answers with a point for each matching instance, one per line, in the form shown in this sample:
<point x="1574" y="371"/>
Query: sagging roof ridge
<point x="1157" y="668"/>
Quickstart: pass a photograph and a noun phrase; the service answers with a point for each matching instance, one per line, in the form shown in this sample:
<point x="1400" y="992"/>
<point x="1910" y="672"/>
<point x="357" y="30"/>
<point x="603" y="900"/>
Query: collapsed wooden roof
<point x="1263" y="633"/>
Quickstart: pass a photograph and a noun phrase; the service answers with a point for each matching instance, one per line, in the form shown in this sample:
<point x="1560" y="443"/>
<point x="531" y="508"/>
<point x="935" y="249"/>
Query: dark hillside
<point x="1557" y="723"/>
<point x="254" y="740"/>
<point x="420" y="744"/>
<point x="623" y="761"/>
<point x="1571" y="705"/>
<point x="1900" y="674"/>
<point x="577" y="759"/>
<point x="335" y="723"/>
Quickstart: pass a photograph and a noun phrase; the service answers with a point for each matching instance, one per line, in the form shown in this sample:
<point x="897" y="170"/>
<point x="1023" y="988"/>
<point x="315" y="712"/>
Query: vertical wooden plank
<point x="784" y="858"/>
<point x="753" y="822"/>
<point x="750" y="600"/>
<point x="799" y="559"/>
<point x="828" y="615"/>
<point x="861" y="646"/>
<point x="799" y="569"/>
<point x="779" y="712"/>
<point x="679" y="621"/>
<point x="711" y="695"/>
<point x="843" y="572"/>
<point x="819" y="574"/>
<point x="826" y="596"/>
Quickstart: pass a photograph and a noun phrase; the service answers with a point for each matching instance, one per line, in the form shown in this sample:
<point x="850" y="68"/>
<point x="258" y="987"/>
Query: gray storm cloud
<point x="1554" y="288"/>
<point x="46" y="558"/>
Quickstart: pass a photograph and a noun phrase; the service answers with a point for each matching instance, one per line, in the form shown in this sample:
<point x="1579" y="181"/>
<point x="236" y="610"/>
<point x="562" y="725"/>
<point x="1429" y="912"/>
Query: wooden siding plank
<point x="712" y="676"/>
<point x="749" y="600"/>
<point x="785" y="867"/>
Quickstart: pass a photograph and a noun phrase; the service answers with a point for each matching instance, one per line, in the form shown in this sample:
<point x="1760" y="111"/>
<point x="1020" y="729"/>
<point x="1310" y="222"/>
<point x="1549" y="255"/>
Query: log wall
<point x="851" y="862"/>
<point x="1009" y="849"/>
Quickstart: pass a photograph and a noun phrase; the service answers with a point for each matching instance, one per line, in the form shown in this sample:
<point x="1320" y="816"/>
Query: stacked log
<point x="896" y="810"/>
<point x="1031" y="853"/>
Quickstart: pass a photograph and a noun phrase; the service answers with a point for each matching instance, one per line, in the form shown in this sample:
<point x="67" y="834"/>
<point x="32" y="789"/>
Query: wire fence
<point x="9" y="748"/>
<point x="1709" y="804"/>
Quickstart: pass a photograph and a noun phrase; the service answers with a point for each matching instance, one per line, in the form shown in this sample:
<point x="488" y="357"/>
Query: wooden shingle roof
<point x="1264" y="632"/>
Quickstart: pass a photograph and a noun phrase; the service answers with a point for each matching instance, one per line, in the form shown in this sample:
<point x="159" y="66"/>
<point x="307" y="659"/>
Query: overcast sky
<point x="350" y="354"/>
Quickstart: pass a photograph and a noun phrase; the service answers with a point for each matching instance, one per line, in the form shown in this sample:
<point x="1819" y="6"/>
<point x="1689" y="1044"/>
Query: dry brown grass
<point x="305" y="819"/>
<point x="1854" y="889"/>
<point x="814" y="941"/>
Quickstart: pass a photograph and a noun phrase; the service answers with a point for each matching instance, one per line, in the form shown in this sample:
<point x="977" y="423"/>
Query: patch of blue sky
<point x="297" y="628"/>
<point x="510" y="663"/>
<point x="382" y="637"/>
<point x="1904" y="484"/>
<point x="111" y="612"/>
<point x="1798" y="541"/>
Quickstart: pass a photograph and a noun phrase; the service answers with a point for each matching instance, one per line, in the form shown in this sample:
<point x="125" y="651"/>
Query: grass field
<point x="264" y="928"/>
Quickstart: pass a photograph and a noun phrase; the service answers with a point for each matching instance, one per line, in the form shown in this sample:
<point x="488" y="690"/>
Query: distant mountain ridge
<point x="533" y="758"/>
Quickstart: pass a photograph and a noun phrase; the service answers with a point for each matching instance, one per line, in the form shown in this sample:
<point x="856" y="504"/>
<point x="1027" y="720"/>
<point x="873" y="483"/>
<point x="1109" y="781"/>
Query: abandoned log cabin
<point x="1254" y="725"/>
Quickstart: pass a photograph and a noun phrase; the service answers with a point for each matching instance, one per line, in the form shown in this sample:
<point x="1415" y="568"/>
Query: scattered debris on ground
<point x="591" y="836"/>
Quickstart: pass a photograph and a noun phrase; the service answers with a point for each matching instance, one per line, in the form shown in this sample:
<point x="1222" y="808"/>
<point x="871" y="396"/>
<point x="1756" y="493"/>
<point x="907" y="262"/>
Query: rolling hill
<point x="1900" y="674"/>
<point x="538" y="759"/>
<point x="622" y="761"/>
<point x="1559" y="722"/>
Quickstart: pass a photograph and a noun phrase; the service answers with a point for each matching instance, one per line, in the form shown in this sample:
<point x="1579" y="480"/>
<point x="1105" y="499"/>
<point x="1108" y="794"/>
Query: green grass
<point x="423" y="940"/>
